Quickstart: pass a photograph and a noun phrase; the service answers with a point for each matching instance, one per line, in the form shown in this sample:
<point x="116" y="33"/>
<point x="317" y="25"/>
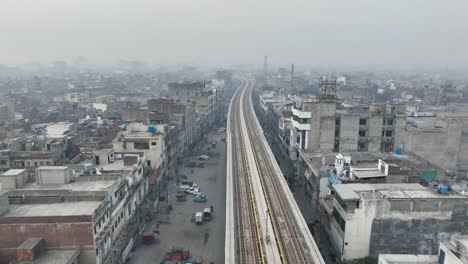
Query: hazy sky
<point x="235" y="31"/>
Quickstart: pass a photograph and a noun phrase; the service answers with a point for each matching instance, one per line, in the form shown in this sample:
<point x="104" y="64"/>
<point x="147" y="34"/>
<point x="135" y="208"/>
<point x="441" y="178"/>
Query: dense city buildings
<point x="378" y="159"/>
<point x="371" y="171"/>
<point x="82" y="169"/>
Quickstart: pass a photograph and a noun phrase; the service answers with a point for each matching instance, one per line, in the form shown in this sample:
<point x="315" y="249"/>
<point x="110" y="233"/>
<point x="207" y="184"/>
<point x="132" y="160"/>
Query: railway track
<point x="260" y="192"/>
<point x="289" y="239"/>
<point x="249" y="242"/>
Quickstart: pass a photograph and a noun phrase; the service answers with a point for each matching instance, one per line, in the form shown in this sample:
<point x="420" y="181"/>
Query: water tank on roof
<point x="398" y="151"/>
<point x="443" y="189"/>
<point x="151" y="129"/>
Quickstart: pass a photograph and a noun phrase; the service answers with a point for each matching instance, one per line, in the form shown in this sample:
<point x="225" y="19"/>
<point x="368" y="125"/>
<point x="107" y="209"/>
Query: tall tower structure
<point x="293" y="79"/>
<point x="265" y="65"/>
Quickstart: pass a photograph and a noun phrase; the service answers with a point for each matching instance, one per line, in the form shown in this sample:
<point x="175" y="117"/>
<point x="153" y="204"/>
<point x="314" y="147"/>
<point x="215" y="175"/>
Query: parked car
<point x="198" y="218"/>
<point x="192" y="190"/>
<point x="184" y="187"/>
<point x="199" y="197"/>
<point x="207" y="214"/>
<point x="203" y="157"/>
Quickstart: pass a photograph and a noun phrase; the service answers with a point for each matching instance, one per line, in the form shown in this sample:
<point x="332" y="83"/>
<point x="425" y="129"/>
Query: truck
<point x="207" y="214"/>
<point x="198" y="218"/>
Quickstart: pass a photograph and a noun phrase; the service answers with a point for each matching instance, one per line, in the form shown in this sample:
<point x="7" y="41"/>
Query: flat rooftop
<point x="409" y="165"/>
<point x="53" y="257"/>
<point x="139" y="134"/>
<point x="408" y="259"/>
<point x="114" y="166"/>
<point x="13" y="172"/>
<point x="390" y="191"/>
<point x="364" y="174"/>
<point x="52" y="209"/>
<point x="87" y="186"/>
<point x="59" y="168"/>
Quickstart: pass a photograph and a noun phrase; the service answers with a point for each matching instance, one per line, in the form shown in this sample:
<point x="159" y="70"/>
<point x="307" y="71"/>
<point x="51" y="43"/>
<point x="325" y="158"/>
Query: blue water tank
<point x="151" y="129"/>
<point x="443" y="189"/>
<point x="398" y="151"/>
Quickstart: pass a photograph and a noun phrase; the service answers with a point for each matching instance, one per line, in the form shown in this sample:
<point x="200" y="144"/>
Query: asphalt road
<point x="177" y="228"/>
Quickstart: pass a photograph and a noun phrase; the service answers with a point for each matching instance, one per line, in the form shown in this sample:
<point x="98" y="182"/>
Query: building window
<point x="362" y="133"/>
<point x="389" y="122"/>
<point x="341" y="222"/>
<point x="148" y="162"/>
<point x="153" y="143"/>
<point x="3" y="162"/>
<point x="362" y="121"/>
<point x="141" y="145"/>
<point x="388" y="133"/>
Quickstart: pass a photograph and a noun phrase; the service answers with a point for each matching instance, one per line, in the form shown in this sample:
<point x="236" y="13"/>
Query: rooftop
<point x="363" y="174"/>
<point x="58" y="168"/>
<point x="408" y="259"/>
<point x="53" y="257"/>
<point x="53" y="209"/>
<point x="29" y="243"/>
<point x="13" y="172"/>
<point x="85" y="186"/>
<point x="409" y="165"/>
<point x="390" y="191"/>
<point x="114" y="166"/>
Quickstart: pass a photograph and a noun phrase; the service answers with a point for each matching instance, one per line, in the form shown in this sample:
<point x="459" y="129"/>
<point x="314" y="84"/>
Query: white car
<point x="192" y="190"/>
<point x="203" y="157"/>
<point x="198" y="217"/>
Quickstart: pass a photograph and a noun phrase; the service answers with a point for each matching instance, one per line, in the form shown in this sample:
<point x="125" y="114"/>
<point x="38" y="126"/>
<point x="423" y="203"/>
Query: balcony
<point x="301" y="114"/>
<point x="300" y="126"/>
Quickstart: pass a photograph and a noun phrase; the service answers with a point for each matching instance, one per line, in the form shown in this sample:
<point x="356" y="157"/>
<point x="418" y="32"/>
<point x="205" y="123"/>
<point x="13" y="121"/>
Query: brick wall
<point x="54" y="234"/>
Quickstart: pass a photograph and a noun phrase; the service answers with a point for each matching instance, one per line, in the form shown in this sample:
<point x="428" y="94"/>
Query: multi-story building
<point x="99" y="215"/>
<point x="322" y="124"/>
<point x="203" y="98"/>
<point x="454" y="251"/>
<point x="167" y="111"/>
<point x="149" y="140"/>
<point x="372" y="219"/>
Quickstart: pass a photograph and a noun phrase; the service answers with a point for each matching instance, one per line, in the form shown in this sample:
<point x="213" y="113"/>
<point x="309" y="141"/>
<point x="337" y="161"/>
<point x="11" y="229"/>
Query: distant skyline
<point x="209" y="32"/>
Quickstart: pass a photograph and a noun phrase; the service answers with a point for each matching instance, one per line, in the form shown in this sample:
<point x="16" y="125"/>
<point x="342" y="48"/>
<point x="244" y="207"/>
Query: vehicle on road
<point x="190" y="183"/>
<point x="148" y="238"/>
<point x="203" y="157"/>
<point x="221" y="129"/>
<point x="207" y="214"/>
<point x="177" y="253"/>
<point x="184" y="187"/>
<point x="192" y="190"/>
<point x="198" y="197"/>
<point x="198" y="218"/>
<point x="180" y="197"/>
